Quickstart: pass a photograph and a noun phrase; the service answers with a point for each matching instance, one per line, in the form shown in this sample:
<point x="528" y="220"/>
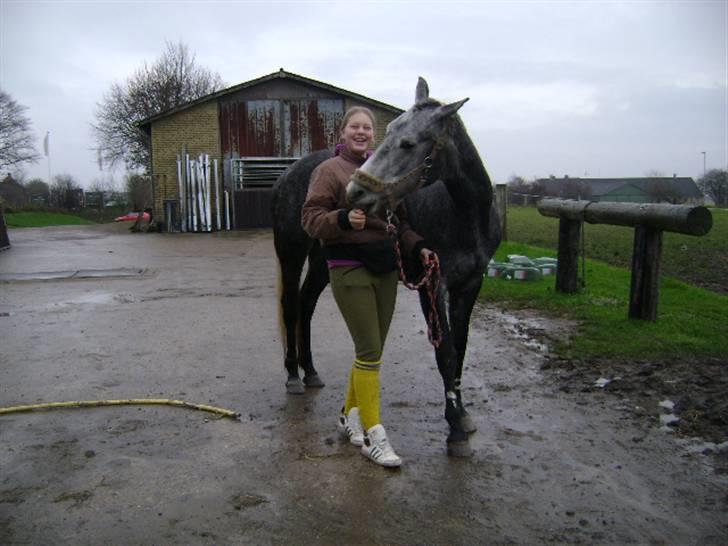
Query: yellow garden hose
<point x="130" y="402"/>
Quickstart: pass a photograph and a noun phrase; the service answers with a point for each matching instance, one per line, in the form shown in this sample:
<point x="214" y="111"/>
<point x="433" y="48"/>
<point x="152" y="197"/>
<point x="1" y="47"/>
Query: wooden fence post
<point x="649" y="221"/>
<point x="645" y="286"/>
<point x="568" y="256"/>
<point x="501" y="200"/>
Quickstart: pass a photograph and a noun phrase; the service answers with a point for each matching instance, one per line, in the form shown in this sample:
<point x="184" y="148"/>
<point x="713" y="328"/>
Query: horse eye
<point x="406" y="144"/>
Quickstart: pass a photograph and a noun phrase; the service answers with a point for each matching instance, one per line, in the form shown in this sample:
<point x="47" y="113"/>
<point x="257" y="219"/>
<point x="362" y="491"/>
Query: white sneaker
<point x="350" y="426"/>
<point x="376" y="447"/>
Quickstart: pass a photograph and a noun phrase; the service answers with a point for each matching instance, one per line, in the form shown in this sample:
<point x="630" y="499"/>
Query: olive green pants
<point x="366" y="301"/>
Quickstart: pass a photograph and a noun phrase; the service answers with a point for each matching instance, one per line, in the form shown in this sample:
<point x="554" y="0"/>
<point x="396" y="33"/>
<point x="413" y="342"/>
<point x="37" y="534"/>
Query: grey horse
<point x="428" y="160"/>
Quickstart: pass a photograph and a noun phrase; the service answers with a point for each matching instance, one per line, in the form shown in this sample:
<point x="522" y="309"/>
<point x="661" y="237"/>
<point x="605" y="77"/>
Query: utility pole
<point x="704" y="171"/>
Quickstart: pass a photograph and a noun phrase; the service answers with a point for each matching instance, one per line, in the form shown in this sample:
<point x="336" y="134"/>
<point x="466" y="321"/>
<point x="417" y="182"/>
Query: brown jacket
<point x="325" y="212"/>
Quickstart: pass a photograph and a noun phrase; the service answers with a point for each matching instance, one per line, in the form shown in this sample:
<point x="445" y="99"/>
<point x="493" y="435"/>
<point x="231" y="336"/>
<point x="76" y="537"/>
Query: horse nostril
<point x="354" y="194"/>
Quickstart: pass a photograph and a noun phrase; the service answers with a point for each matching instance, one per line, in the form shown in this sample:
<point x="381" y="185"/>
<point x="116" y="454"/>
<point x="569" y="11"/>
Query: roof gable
<point x="262" y="80"/>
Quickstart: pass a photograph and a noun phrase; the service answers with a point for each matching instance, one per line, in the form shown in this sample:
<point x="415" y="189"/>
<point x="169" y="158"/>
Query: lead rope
<point x="430" y="280"/>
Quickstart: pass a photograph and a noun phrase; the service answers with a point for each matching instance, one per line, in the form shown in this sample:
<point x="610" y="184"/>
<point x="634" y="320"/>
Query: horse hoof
<point x="294" y="386"/>
<point x="468" y="424"/>
<point x="459" y="449"/>
<point x="313" y="381"/>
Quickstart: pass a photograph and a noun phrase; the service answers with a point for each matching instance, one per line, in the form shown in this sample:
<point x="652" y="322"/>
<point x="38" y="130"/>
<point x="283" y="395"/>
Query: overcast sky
<point x="599" y="89"/>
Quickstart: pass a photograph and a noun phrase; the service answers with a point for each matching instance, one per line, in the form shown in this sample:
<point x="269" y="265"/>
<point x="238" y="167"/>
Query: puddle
<point x="519" y="328"/>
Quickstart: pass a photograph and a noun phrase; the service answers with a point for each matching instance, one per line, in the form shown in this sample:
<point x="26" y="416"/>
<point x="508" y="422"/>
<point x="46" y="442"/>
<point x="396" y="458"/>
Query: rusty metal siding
<point x="279" y="128"/>
<point x="324" y="134"/>
<point x="296" y="115"/>
<point x="260" y="136"/>
<point x="310" y="125"/>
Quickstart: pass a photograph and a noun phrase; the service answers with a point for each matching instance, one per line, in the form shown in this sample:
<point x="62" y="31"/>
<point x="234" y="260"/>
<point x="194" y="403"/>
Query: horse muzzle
<point x="359" y="197"/>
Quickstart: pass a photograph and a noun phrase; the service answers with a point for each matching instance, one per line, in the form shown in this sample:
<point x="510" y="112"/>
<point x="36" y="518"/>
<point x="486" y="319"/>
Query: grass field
<point x="700" y="261"/>
<point x="692" y="321"/>
<point x="43" y="219"/>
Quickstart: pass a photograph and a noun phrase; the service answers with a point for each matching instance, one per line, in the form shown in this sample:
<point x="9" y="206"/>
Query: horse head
<point x="402" y="162"/>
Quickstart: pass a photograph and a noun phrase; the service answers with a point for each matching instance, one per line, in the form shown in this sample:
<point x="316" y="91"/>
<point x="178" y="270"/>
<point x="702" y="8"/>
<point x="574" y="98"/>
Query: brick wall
<point x="196" y="128"/>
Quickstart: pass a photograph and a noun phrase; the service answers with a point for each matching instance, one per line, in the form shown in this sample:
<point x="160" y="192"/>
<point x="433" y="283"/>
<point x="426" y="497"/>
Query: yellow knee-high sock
<point x="366" y="386"/>
<point x="350" y="394"/>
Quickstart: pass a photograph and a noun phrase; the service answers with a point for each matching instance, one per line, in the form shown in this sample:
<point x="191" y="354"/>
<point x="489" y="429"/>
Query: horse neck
<point x="465" y="176"/>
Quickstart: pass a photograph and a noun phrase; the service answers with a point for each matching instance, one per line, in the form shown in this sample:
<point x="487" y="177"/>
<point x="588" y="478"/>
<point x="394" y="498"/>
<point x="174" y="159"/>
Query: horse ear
<point x="422" y="93"/>
<point x="448" y="110"/>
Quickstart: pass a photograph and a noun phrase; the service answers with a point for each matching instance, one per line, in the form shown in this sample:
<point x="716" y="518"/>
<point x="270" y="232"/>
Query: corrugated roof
<point x="252" y="83"/>
<point x="602" y="186"/>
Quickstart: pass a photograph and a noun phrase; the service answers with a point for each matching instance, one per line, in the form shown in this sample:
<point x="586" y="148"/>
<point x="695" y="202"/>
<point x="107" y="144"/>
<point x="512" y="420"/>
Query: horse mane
<point x="427" y="103"/>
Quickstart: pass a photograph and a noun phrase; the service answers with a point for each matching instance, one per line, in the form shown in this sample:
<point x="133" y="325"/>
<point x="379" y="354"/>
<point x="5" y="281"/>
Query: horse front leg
<point x="462" y="301"/>
<point x="458" y="440"/>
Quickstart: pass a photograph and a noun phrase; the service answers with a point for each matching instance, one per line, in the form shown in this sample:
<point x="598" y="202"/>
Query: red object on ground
<point x="132" y="217"/>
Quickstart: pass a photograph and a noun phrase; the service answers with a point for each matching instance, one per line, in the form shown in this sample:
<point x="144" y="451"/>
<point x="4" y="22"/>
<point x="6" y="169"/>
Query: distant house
<point x="676" y="190"/>
<point x="12" y="193"/>
<point x="254" y="130"/>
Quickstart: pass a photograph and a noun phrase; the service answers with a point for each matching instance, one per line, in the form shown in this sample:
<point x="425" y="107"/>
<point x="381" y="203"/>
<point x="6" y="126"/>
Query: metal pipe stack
<point x="196" y="201"/>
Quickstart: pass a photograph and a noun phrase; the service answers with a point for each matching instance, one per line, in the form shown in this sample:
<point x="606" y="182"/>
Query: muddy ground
<point x="565" y="453"/>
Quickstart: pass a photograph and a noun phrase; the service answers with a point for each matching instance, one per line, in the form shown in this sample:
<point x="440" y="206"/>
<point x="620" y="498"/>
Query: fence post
<point x="4" y="239"/>
<point x="649" y="221"/>
<point x="501" y="200"/>
<point x="568" y="255"/>
<point x="645" y="286"/>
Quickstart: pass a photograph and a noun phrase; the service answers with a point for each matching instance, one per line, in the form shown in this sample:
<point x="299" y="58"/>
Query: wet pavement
<point x="98" y="313"/>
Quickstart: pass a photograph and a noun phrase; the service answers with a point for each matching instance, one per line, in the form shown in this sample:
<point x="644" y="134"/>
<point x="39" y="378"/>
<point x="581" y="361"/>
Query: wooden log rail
<point x="650" y="220"/>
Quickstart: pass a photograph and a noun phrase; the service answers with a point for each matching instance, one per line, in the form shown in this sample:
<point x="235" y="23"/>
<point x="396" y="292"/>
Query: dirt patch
<point x="686" y="396"/>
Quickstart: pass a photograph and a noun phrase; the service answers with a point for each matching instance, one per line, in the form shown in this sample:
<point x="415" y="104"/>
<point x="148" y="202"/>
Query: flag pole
<point x="46" y="149"/>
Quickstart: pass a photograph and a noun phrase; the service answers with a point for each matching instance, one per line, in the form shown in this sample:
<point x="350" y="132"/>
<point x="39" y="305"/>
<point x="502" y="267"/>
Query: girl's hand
<point x="357" y="219"/>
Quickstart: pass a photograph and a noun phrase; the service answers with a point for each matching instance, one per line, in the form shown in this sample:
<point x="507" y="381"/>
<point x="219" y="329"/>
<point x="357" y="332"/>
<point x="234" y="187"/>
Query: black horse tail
<point x="279" y="295"/>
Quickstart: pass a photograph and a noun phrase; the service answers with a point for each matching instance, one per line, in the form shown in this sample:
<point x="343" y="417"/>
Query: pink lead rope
<point x="430" y="280"/>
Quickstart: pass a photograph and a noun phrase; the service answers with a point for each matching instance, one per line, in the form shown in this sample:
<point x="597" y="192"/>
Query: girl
<point x="363" y="272"/>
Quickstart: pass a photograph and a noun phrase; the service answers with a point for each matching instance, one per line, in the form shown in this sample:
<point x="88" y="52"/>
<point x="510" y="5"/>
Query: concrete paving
<point x="196" y="320"/>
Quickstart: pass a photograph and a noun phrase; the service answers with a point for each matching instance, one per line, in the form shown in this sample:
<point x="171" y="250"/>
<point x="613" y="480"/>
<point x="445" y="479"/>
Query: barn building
<point x="653" y="189"/>
<point x="254" y="130"/>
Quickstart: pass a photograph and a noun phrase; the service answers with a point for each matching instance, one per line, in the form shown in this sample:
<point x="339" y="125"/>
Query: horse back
<point x="289" y="193"/>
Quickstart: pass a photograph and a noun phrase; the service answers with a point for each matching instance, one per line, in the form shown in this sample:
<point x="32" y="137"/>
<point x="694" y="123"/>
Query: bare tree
<point x="139" y="188"/>
<point x="38" y="191"/>
<point x="715" y="185"/>
<point x="105" y="184"/>
<point x="174" y="79"/>
<point x="65" y="192"/>
<point x="574" y="188"/>
<point x="517" y="190"/>
<point x="16" y="138"/>
<point x="663" y="190"/>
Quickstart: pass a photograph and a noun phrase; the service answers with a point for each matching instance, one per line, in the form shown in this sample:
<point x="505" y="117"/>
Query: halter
<point x="377" y="185"/>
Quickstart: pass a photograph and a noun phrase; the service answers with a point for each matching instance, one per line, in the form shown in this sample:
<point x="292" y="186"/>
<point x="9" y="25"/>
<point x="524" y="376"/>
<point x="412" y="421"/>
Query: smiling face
<point x="358" y="134"/>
